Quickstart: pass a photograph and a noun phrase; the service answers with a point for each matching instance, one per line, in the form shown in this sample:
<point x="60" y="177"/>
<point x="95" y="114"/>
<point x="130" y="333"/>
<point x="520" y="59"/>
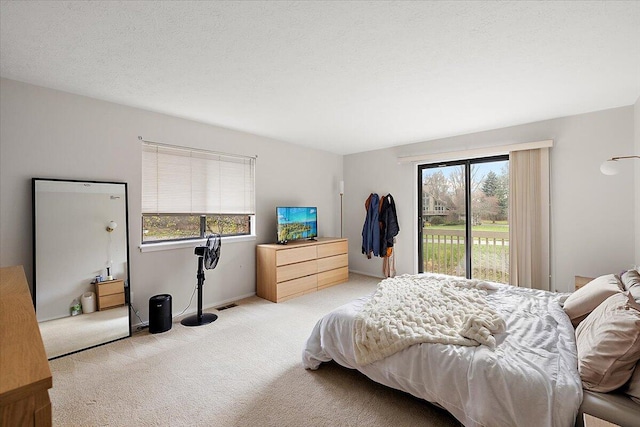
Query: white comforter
<point x="408" y="310"/>
<point x="529" y="379"/>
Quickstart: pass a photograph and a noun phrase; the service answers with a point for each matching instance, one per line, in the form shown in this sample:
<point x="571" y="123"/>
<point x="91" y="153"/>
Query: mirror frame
<point x="127" y="287"/>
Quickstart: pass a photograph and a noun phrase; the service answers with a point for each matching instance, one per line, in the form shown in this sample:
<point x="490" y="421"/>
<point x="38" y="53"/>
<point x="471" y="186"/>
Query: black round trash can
<point x="159" y="313"/>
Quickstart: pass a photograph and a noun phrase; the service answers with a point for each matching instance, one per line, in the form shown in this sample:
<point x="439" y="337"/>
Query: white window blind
<point x="188" y="181"/>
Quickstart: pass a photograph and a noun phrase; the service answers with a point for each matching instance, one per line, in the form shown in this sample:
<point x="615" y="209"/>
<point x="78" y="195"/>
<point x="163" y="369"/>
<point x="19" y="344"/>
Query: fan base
<point x="204" y="320"/>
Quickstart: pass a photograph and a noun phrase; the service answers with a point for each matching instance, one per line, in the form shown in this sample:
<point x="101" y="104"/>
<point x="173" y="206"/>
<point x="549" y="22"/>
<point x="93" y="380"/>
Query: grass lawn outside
<point x="486" y="226"/>
<point x="446" y="254"/>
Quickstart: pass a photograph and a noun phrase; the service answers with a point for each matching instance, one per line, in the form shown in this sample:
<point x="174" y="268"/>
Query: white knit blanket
<point x="409" y="310"/>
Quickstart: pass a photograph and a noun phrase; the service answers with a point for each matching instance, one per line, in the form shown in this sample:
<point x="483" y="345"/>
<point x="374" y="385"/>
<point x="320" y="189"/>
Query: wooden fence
<point x="444" y="252"/>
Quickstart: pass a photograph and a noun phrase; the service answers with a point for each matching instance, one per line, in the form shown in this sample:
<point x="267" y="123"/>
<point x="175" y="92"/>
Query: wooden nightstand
<point x="580" y="281"/>
<point x="591" y="421"/>
<point x="110" y="294"/>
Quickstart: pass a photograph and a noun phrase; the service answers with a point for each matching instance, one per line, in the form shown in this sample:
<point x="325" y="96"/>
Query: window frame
<point x="202" y="227"/>
<point x="467" y="163"/>
<point x="193" y="241"/>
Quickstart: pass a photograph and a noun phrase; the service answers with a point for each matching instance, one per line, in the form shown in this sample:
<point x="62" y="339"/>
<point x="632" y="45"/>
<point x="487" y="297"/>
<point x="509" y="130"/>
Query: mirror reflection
<point x="81" y="269"/>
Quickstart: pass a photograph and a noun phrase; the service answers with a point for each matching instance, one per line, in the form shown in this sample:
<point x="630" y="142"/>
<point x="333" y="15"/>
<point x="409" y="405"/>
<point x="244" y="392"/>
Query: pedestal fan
<point x="208" y="257"/>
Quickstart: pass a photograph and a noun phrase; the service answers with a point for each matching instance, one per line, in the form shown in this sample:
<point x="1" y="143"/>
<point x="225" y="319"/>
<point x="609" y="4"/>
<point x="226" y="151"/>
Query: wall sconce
<point x="110" y="227"/>
<point x="609" y="167"/>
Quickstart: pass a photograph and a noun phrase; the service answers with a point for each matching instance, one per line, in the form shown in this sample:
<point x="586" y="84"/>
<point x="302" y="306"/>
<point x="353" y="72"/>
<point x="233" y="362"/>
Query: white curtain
<point x="529" y="218"/>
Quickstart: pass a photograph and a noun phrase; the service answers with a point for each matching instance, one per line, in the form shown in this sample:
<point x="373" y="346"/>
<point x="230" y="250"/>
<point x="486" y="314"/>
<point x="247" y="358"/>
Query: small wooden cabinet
<point x="300" y="267"/>
<point x="110" y="294"/>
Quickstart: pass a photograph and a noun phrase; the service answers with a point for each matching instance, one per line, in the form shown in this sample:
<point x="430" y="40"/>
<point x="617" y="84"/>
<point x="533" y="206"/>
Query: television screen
<point x="296" y="223"/>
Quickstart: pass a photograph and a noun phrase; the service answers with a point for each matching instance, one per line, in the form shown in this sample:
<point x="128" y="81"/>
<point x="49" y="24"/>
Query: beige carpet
<point x="68" y="334"/>
<point x="243" y="370"/>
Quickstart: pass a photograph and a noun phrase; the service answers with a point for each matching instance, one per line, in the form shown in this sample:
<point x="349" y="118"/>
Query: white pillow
<point x="631" y="282"/>
<point x="608" y="342"/>
<point x="587" y="298"/>
<point x="633" y="386"/>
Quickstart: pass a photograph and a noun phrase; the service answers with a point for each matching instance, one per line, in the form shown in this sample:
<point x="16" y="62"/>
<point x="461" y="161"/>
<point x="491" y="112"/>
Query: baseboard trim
<point x="367" y="274"/>
<point x="195" y="309"/>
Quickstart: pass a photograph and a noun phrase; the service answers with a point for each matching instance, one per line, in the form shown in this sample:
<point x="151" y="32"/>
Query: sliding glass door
<point x="463" y="218"/>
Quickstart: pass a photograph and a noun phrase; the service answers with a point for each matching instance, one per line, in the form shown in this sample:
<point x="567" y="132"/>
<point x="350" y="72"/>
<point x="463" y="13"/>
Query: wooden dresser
<point x="110" y="294"/>
<point x="300" y="267"/>
<point x="25" y="377"/>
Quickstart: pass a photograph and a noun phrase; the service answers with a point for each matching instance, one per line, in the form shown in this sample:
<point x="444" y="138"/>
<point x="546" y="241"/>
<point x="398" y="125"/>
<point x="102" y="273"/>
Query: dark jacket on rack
<point x="371" y="228"/>
<point x="389" y="227"/>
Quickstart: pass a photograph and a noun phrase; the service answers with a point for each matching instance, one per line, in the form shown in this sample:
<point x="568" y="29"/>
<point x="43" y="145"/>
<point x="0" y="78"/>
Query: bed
<point x="527" y="377"/>
<point x="622" y="405"/>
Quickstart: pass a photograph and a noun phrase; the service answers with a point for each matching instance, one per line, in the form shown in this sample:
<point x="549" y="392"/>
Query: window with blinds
<point x="188" y="193"/>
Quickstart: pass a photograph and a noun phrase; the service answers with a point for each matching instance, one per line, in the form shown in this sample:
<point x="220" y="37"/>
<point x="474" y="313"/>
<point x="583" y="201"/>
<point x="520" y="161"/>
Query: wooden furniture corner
<point x="591" y="421"/>
<point x="580" y="281"/>
<point x="25" y="376"/>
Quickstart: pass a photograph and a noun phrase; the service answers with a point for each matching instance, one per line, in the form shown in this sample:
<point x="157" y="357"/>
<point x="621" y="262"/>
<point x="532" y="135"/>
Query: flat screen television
<point x="295" y="223"/>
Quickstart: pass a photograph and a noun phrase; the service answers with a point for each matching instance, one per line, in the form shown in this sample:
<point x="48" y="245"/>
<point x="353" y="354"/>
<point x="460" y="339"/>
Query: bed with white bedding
<point x="527" y="377"/>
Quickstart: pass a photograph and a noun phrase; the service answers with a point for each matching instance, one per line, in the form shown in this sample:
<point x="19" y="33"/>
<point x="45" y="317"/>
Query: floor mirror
<point x="81" y="263"/>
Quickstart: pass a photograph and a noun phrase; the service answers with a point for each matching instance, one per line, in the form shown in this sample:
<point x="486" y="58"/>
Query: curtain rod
<point x="476" y="152"/>
<point x="141" y="139"/>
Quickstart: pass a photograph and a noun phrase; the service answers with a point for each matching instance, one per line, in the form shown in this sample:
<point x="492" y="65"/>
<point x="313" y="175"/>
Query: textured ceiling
<point x="341" y="76"/>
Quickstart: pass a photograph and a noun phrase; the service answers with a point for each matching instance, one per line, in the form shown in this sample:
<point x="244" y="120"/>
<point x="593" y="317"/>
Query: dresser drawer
<point x="331" y="249"/>
<point x="289" y="271"/>
<point x="293" y="271"/>
<point x="108" y="288"/>
<point x="109" y="301"/>
<point x="333" y="277"/>
<point x="333" y="262"/>
<point x="296" y="286"/>
<point x="290" y="256"/>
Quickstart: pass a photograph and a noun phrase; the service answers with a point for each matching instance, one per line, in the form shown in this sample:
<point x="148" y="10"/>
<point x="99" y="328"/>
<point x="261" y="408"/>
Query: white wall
<point x="636" y="110"/>
<point x="592" y="214"/>
<point x="52" y="134"/>
<point x="73" y="244"/>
